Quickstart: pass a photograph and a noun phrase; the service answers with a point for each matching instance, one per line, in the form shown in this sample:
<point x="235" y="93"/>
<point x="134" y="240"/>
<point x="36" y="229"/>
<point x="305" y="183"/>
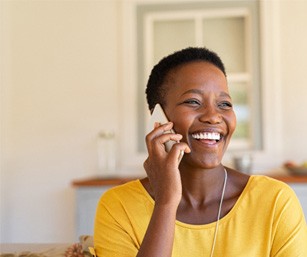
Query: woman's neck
<point x="200" y="186"/>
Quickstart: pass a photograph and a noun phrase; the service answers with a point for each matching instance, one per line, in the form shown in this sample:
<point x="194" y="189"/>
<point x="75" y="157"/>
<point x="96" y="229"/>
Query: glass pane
<point x="170" y="36"/>
<point x="226" y="37"/>
<point x="239" y="95"/>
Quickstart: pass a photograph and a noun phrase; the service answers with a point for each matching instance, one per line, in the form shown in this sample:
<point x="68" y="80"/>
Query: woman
<point x="194" y="206"/>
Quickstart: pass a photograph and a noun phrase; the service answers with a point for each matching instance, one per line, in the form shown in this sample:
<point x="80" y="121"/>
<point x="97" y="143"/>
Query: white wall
<point x="58" y="91"/>
<point x="60" y="74"/>
<point x="293" y="79"/>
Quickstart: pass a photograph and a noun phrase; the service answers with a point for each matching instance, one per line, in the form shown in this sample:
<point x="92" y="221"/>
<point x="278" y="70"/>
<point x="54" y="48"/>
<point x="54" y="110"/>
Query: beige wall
<point x="59" y="87"/>
<point x="293" y="78"/>
<point x="58" y="91"/>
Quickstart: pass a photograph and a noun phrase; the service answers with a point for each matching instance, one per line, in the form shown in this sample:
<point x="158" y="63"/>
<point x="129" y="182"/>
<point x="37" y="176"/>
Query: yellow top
<point x="267" y="220"/>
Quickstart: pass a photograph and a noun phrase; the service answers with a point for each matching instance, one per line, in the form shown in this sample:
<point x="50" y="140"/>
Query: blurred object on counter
<point x="107" y="154"/>
<point x="296" y="169"/>
<point x="243" y="163"/>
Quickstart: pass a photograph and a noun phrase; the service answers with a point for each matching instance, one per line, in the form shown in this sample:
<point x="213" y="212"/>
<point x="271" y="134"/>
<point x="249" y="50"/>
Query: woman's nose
<point x="211" y="115"/>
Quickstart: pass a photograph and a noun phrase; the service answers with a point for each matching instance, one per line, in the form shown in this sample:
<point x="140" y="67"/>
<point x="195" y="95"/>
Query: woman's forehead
<point x="195" y="74"/>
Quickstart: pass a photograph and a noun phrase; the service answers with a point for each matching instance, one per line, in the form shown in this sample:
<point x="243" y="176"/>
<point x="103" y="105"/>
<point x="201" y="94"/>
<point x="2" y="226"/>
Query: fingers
<point x="158" y="142"/>
<point x="177" y="152"/>
<point x="161" y="134"/>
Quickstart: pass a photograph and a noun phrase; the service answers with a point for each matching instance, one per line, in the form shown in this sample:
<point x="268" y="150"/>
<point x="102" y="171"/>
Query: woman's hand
<point x="162" y="167"/>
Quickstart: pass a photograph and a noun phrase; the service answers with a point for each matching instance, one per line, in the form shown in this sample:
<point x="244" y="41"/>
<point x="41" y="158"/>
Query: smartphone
<point x="158" y="115"/>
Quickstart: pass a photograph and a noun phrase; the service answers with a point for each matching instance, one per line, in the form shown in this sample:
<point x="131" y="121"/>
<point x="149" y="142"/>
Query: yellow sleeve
<point x="110" y="236"/>
<point x="290" y="237"/>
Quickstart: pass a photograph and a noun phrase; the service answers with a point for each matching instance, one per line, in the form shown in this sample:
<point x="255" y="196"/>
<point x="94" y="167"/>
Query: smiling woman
<point x="199" y="92"/>
<point x="192" y="206"/>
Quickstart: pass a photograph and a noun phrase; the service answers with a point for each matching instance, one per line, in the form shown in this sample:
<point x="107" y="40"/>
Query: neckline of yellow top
<point x="209" y="225"/>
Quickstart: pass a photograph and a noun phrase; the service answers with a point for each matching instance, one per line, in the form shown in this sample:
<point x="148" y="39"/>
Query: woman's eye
<point x="192" y="102"/>
<point x="225" y="105"/>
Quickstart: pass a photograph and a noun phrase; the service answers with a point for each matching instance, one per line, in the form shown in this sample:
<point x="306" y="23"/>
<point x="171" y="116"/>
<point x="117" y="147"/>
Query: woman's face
<point x="198" y="102"/>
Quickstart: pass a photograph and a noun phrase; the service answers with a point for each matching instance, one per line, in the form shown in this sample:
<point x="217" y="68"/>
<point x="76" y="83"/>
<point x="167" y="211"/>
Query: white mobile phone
<point x="158" y="115"/>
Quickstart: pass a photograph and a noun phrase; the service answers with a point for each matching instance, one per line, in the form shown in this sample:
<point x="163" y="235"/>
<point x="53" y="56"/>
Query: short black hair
<point x="154" y="90"/>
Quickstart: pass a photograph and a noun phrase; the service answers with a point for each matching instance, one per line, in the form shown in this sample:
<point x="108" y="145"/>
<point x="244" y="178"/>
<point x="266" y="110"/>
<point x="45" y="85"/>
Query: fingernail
<point x="157" y="124"/>
<point x="180" y="155"/>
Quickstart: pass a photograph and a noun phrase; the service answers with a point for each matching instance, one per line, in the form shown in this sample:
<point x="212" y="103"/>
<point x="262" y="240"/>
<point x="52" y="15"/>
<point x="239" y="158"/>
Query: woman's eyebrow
<point x="225" y="94"/>
<point x="200" y="92"/>
<point x="194" y="91"/>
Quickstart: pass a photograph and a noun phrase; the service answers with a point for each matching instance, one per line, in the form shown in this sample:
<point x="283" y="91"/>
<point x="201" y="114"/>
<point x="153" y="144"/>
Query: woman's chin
<point x="203" y="162"/>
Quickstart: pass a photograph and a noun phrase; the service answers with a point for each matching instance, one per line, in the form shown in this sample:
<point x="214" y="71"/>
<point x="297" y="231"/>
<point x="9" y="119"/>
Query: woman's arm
<point x="159" y="237"/>
<point x="164" y="177"/>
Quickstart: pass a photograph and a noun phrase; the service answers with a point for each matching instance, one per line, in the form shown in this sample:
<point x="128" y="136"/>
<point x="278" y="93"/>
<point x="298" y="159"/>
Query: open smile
<point x="210" y="138"/>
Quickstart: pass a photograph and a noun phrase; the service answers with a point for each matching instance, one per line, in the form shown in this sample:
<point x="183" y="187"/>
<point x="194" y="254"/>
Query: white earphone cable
<point x="219" y="214"/>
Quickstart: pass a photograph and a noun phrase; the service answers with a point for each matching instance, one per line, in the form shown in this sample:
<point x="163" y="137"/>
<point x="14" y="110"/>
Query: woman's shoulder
<point x="270" y="186"/>
<point x="265" y="195"/>
<point x="264" y="180"/>
<point x="125" y="193"/>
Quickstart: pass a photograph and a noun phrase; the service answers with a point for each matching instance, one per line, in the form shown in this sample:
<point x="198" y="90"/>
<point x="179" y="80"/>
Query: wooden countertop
<point x="290" y="179"/>
<point x="100" y="181"/>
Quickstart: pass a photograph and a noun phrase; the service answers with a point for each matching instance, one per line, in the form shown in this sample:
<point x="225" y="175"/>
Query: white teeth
<point x="207" y="135"/>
